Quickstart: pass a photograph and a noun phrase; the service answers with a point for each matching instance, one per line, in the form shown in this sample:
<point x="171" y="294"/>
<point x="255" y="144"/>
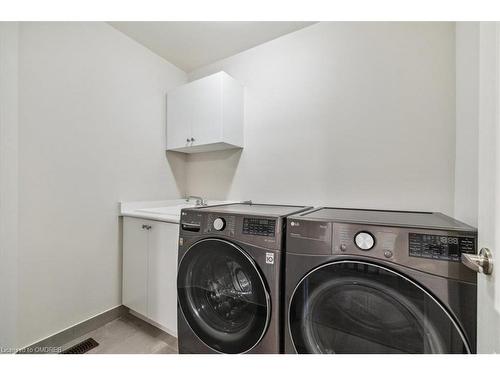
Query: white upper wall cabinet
<point x="205" y="115"/>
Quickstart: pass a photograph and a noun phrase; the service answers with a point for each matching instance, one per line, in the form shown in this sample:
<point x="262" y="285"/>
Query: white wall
<point x="91" y="133"/>
<point x="342" y="114"/>
<point x="9" y="35"/>
<point x="467" y="121"/>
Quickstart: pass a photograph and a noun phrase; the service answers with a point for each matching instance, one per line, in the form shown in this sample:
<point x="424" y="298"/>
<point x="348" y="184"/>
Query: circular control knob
<point x="219" y="223"/>
<point x="364" y="240"/>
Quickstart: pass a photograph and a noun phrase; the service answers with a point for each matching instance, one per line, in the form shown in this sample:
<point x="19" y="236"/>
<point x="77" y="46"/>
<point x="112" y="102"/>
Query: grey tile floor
<point x="129" y="335"/>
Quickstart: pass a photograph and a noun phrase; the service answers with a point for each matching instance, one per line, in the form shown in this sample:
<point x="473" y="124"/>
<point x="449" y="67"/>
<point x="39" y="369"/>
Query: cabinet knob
<point x="192" y="139"/>
<point x="187" y="140"/>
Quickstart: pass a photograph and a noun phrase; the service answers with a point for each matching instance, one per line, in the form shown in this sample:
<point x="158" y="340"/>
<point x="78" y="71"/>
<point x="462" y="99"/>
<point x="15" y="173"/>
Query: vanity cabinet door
<point x="162" y="277"/>
<point x="135" y="264"/>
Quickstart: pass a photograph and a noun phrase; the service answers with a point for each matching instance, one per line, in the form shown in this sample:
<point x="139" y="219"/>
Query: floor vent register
<point x="82" y="348"/>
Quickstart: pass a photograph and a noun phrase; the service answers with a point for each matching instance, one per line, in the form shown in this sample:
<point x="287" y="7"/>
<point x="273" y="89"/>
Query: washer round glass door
<point x="359" y="307"/>
<point x="223" y="296"/>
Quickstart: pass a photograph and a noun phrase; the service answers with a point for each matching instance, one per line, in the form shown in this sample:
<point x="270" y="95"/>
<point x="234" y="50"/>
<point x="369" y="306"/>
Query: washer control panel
<point x="255" y="230"/>
<point x="364" y="240"/>
<point x="219" y="223"/>
<point x="225" y="225"/>
<point x="439" y="247"/>
<point x="259" y="227"/>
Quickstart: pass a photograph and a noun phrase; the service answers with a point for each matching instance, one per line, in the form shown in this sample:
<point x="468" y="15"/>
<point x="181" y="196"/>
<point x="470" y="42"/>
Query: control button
<point x="343" y="247"/>
<point x="364" y="240"/>
<point x="219" y="223"/>
<point x="388" y="253"/>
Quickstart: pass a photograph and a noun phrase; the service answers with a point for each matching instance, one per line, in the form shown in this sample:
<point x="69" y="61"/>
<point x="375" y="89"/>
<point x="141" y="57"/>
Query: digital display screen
<point x="259" y="227"/>
<point x="439" y="247"/>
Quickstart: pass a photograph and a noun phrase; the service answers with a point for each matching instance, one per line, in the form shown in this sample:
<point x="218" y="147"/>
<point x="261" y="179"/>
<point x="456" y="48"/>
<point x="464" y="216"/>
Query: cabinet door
<point x="162" y="281"/>
<point x="179" y="118"/>
<point x="135" y="264"/>
<point x="206" y="126"/>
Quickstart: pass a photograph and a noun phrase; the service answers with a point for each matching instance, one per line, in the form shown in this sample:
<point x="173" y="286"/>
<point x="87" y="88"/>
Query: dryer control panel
<point x="440" y="247"/>
<point x="436" y="252"/>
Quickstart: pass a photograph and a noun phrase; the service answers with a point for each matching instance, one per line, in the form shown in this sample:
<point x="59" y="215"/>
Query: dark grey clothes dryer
<point x="370" y="281"/>
<point x="229" y="279"/>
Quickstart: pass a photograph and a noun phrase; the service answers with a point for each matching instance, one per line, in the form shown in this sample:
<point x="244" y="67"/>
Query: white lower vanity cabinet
<point x="150" y="270"/>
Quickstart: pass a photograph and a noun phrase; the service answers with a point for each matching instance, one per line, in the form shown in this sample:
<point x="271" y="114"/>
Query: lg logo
<point x="294" y="223"/>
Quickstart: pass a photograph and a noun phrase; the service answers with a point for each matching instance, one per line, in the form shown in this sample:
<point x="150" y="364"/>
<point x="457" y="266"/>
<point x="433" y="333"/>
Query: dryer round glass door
<point x="359" y="307"/>
<point x="223" y="296"/>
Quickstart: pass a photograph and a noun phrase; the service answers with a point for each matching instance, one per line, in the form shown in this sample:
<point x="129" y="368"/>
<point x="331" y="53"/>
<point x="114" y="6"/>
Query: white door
<point x="135" y="264"/>
<point x="162" y="278"/>
<point x="489" y="186"/>
<point x="179" y="118"/>
<point x="206" y="102"/>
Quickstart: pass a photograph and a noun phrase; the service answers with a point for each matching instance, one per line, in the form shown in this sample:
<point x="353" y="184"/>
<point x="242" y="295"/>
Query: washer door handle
<point x="480" y="263"/>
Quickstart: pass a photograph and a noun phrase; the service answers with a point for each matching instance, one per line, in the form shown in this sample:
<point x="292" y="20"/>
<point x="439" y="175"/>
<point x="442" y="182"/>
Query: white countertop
<point x="167" y="210"/>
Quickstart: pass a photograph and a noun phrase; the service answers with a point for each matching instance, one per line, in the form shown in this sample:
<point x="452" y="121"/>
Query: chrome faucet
<point x="199" y="200"/>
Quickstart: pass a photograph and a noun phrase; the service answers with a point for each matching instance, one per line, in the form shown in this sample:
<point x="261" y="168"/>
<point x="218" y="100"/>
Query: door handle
<point x="480" y="263"/>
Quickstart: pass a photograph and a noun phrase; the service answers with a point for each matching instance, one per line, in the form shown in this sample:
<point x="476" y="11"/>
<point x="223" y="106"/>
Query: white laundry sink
<point x="169" y="211"/>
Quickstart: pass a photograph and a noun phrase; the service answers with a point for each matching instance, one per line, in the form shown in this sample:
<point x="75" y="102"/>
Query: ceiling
<point x="190" y="45"/>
